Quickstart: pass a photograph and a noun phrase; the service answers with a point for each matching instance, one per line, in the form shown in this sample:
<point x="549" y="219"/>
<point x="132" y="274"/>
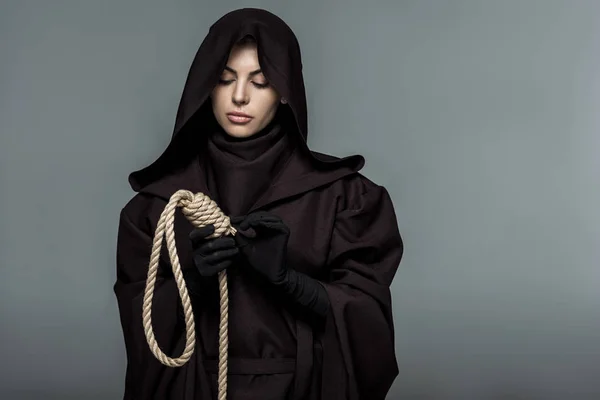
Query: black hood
<point x="280" y="59"/>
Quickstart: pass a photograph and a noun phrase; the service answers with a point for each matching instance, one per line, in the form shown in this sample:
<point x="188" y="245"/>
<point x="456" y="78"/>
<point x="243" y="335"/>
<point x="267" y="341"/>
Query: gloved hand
<point x="212" y="255"/>
<point x="262" y="238"/>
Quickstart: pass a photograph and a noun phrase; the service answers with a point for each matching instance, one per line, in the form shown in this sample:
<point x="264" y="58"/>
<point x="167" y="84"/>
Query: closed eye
<point x="256" y="84"/>
<point x="260" y="85"/>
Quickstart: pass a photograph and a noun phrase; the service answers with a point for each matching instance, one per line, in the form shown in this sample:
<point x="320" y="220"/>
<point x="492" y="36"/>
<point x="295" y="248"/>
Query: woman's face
<point x="243" y="101"/>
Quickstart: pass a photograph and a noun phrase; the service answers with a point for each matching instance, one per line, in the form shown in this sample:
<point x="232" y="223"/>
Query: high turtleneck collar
<point x="239" y="170"/>
<point x="246" y="149"/>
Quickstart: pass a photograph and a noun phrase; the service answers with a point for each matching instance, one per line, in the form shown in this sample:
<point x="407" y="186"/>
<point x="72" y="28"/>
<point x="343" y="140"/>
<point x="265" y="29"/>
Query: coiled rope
<point x="200" y="210"/>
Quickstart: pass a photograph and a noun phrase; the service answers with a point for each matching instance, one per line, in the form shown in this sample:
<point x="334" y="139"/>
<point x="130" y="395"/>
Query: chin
<point x="239" y="131"/>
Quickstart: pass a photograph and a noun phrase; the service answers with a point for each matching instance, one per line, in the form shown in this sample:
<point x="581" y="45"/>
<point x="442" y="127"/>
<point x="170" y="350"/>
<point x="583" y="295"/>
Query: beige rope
<point x="201" y="211"/>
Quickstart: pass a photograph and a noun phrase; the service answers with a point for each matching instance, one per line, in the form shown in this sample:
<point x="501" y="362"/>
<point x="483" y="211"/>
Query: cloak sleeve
<point x="358" y="341"/>
<point x="146" y="377"/>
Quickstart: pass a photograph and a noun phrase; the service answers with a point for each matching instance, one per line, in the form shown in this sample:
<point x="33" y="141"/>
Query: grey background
<point x="481" y="117"/>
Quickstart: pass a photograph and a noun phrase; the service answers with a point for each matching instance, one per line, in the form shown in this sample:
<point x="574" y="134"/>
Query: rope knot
<point x="201" y="210"/>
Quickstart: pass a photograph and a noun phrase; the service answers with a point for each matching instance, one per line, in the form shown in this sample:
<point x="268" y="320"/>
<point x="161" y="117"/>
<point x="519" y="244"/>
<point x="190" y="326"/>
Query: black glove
<point x="212" y="255"/>
<point x="262" y="238"/>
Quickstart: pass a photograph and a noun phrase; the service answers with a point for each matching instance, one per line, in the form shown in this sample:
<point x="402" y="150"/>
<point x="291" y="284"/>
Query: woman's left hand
<point x="262" y="238"/>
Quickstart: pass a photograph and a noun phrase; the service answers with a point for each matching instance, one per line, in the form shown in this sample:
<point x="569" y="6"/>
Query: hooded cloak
<point x="280" y="59"/>
<point x="344" y="234"/>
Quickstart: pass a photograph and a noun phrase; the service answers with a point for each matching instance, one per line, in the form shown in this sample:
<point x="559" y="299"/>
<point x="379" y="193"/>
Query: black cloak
<point x="344" y="233"/>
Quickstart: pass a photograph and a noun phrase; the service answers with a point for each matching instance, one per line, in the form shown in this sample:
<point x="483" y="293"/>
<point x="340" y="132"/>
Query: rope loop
<point x="200" y="210"/>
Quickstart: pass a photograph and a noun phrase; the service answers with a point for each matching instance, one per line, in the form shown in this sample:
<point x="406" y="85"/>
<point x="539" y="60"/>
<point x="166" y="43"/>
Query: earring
<point x="283" y="100"/>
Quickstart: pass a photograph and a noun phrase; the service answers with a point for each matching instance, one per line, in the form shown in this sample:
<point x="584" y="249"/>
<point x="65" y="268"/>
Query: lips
<point x="238" y="117"/>
<point x="239" y="114"/>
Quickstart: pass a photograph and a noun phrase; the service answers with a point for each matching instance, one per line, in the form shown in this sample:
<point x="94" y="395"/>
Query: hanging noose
<point x="200" y="210"/>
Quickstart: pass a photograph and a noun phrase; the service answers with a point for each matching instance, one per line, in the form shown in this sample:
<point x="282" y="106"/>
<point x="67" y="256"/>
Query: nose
<point x="240" y="94"/>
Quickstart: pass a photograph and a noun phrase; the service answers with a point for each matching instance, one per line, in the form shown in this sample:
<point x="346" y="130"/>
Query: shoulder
<point x="358" y="192"/>
<point x="138" y="208"/>
<point x="353" y="188"/>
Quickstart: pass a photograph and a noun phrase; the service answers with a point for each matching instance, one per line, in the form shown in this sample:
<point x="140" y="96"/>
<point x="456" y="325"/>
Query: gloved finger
<point x="211" y="270"/>
<point x="220" y="255"/>
<point x="199" y="235"/>
<point x="212" y="245"/>
<point x="242" y="235"/>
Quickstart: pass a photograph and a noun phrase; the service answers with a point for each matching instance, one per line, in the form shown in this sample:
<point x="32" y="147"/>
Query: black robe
<point x="344" y="233"/>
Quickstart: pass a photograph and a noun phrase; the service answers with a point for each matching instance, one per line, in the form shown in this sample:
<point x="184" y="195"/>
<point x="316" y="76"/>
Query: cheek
<point x="217" y="98"/>
<point x="269" y="103"/>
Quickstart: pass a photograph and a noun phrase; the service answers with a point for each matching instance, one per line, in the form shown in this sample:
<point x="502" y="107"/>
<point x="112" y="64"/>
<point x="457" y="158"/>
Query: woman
<point x="310" y="268"/>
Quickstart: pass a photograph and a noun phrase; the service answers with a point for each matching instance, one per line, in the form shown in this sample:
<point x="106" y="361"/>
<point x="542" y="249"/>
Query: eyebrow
<point x="256" y="72"/>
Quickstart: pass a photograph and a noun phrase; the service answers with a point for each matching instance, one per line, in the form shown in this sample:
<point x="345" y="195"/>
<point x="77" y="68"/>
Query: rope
<point x="200" y="210"/>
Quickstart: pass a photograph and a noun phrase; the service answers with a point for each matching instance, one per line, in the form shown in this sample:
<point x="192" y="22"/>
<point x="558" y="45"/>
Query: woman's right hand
<point x="212" y="255"/>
